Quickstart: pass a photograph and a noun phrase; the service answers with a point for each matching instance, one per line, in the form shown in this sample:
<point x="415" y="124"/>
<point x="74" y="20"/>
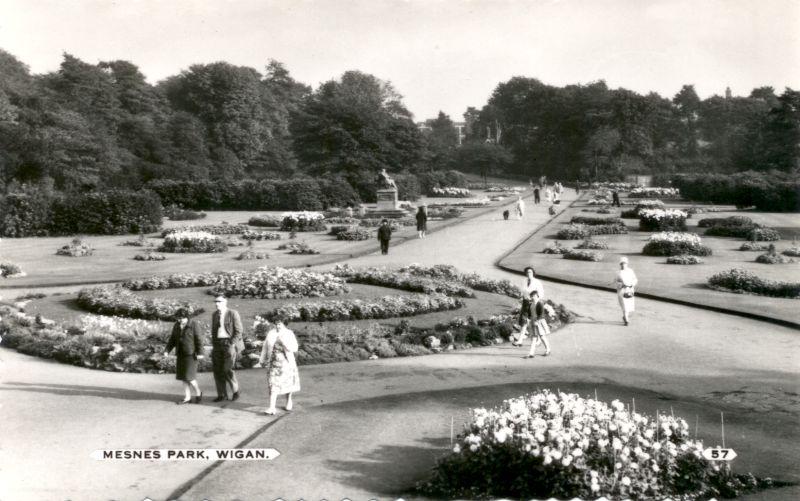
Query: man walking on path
<point x="384" y="235"/>
<point x="226" y="337"/>
<point x="520" y="208"/>
<point x="536" y="197"/>
<point x="615" y="198"/>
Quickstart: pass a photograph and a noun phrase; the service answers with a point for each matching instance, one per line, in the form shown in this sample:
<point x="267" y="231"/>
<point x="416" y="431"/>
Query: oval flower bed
<point x="743" y="281"/>
<point x="354" y="234"/>
<point x="450" y="192"/>
<point x="402" y="280"/>
<point x="582" y="255"/>
<point x="641" y="205"/>
<point x="275" y="282"/>
<point x="356" y="309"/>
<point x="193" y="242"/>
<point x="214" y="229"/>
<point x="654" y="191"/>
<point x="734" y="226"/>
<point x="303" y="221"/>
<point x="546" y="445"/>
<point x="116" y="301"/>
<point x="581" y="231"/>
<point x="662" y="220"/>
<point x="675" y="244"/>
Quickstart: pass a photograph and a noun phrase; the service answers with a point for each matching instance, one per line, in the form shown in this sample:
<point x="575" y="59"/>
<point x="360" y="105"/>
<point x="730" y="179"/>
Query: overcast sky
<point x="444" y="54"/>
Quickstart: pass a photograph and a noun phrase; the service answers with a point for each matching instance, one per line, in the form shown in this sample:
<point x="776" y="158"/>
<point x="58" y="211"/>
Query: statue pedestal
<point x="388" y="206"/>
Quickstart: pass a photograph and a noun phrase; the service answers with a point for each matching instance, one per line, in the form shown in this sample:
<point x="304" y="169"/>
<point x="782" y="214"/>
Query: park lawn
<point x="64" y="308"/>
<point x="683" y="282"/>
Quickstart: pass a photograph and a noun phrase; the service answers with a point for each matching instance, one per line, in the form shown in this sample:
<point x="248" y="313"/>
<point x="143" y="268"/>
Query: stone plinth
<point x="387" y="199"/>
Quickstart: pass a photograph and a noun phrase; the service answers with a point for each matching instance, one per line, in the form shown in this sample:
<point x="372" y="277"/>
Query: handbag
<point x="627" y="292"/>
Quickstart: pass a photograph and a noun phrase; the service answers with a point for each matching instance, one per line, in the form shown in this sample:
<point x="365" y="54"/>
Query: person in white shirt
<point x="227" y="343"/>
<point x="530" y="285"/>
<point x="520" y="208"/>
<point x="277" y="354"/>
<point x="625" y="281"/>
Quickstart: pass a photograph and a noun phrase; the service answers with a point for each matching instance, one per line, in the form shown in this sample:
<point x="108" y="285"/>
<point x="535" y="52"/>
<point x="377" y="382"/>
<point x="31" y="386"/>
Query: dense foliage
<point x="358" y="309"/>
<point x="117" y="301"/>
<point x="770" y="191"/>
<point x="743" y="281"/>
<point x="675" y="244"/>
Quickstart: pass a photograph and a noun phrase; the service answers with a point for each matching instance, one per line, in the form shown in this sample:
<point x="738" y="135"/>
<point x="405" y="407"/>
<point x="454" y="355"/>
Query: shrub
<point x="260" y="235"/>
<point x="410" y="280"/>
<point x="763" y="235"/>
<point x="354" y="234"/>
<point x="149" y="255"/>
<point x="734" y="226"/>
<point x="593" y="244"/>
<point x="303" y="221"/>
<point x="654" y="191"/>
<point x="640" y="206"/>
<point x="175" y="213"/>
<point x="546" y="445"/>
<point x="193" y="242"/>
<point x="743" y="281"/>
<point x="26" y="214"/>
<point x="471" y="280"/>
<point x="356" y="309"/>
<point x="246" y="255"/>
<point x="116" y="301"/>
<point x="580" y="231"/>
<point x="662" y="220"/>
<point x="684" y="259"/>
<point x="582" y="255"/>
<point x="444" y="212"/>
<point x="792" y="251"/>
<point x="594" y="221"/>
<point x="451" y="192"/>
<point x="675" y="244"/>
<point x="267" y="221"/>
<point x="771" y="192"/>
<point x="278" y="283"/>
<point x="8" y="270"/>
<point x="76" y="248"/>
<point x="753" y="246"/>
<point x="554" y="248"/>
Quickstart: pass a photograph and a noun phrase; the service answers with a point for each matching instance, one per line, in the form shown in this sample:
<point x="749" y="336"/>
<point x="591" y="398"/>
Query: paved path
<point x="371" y="429"/>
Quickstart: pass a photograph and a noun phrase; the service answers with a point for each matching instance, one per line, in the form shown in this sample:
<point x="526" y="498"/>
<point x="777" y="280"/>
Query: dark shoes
<point x="219" y="399"/>
<point x="235" y="396"/>
<point x="198" y="398"/>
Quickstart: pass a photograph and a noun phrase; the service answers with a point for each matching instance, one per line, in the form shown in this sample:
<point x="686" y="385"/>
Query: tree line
<point x="102" y="126"/>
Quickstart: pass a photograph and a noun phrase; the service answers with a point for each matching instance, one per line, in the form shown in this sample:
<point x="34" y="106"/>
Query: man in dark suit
<point x="226" y="337"/>
<point x="384" y="236"/>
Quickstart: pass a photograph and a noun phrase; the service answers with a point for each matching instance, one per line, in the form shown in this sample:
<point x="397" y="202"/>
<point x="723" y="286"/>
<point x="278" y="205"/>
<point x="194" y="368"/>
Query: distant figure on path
<point x="188" y="344"/>
<point x="384" y="235"/>
<point x="536" y="197"/>
<point x="615" y="198"/>
<point x="577" y="188"/>
<point x="422" y="221"/>
<point x="506" y="213"/>
<point x="530" y="285"/>
<point x="226" y="337"/>
<point x="277" y="355"/>
<point x="520" y="208"/>
<point x="548" y="195"/>
<point x="625" y="282"/>
<point x="540" y="327"/>
<point x="551" y="210"/>
<point x="557" y="197"/>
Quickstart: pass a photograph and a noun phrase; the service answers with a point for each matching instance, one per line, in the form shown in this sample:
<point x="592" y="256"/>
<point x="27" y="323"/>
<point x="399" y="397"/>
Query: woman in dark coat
<point x="422" y="221"/>
<point x="188" y="344"/>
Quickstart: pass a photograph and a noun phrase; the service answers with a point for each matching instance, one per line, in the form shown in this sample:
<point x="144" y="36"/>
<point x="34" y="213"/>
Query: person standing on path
<point x="536" y="195"/>
<point x="277" y="353"/>
<point x="520" y="207"/>
<point x="615" y="198"/>
<point x="540" y="327"/>
<point x="384" y="236"/>
<point x="548" y="195"/>
<point x="188" y="344"/>
<point x="625" y="282"/>
<point x="226" y="337"/>
<point x="422" y="221"/>
<point x="531" y="285"/>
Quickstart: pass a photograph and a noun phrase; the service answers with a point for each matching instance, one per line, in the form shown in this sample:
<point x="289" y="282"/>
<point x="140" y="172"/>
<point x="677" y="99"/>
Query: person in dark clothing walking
<point x="187" y="340"/>
<point x="422" y="221"/>
<point x="615" y="198"/>
<point x="384" y="235"/>
<point x="536" y="198"/>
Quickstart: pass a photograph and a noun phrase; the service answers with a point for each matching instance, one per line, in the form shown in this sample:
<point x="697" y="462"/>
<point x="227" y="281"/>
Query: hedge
<point x="743" y="281"/>
<point x="774" y="192"/>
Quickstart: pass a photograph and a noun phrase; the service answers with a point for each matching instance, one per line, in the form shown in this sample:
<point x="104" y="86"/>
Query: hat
<point x="623" y="259"/>
<point x="220" y="299"/>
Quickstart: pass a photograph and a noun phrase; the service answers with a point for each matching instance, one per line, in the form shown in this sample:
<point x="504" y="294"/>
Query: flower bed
<point x="213" y="229"/>
<point x="763" y="235"/>
<point x="654" y="192"/>
<point x="260" y="235"/>
<point x="546" y="445"/>
<point x="581" y="231"/>
<point x="662" y="220"/>
<point x="149" y="255"/>
<point x="349" y="221"/>
<point x="598" y="201"/>
<point x="174" y="281"/>
<point x="354" y="235"/>
<point x="117" y="301"/>
<point x="772" y="257"/>
<point x="275" y="282"/>
<point x="394" y="223"/>
<point x="356" y="309"/>
<point x="407" y="280"/>
<point x="450" y="192"/>
<point x="265" y="221"/>
<point x="303" y="221"/>
<point x="582" y="255"/>
<point x="139" y="242"/>
<point x="176" y="213"/>
<point x="675" y="244"/>
<point x="193" y="242"/>
<point x="481" y="202"/>
<point x="10" y="270"/>
<point x="471" y="280"/>
<point x="743" y="281"/>
<point x="684" y="259"/>
<point x="300" y="248"/>
<point x="641" y="205"/>
<point x="595" y="221"/>
<point x="593" y="244"/>
<point x="734" y="226"/>
<point x="335" y="230"/>
<point x="76" y="248"/>
<point x="445" y="212"/>
<point x="247" y="255"/>
<point x="554" y="248"/>
<point x="792" y="252"/>
<point x="753" y="246"/>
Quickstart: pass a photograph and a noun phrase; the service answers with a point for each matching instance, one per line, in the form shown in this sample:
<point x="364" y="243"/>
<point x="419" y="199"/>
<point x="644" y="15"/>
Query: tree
<point x="687" y="107"/>
<point x="484" y="159"/>
<point x="600" y="149"/>
<point x="441" y="140"/>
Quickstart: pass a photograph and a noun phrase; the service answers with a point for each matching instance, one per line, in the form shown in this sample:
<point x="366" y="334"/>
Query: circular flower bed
<point x="743" y="281"/>
<point x="149" y="255"/>
<point x="547" y="445"/>
<point x="675" y="244"/>
<point x="593" y="244"/>
<point x="274" y="282"/>
<point x="641" y="205"/>
<point x="193" y="242"/>
<point x="772" y="257"/>
<point x="792" y="251"/>
<point x="752" y="246"/>
<point x="684" y="259"/>
<point x="554" y="248"/>
<point x="247" y="255"/>
<point x="662" y="220"/>
<point x="356" y="309"/>
<point x="260" y="235"/>
<point x="116" y="301"/>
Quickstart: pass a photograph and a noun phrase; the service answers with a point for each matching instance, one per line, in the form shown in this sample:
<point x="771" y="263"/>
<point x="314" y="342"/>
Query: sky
<point x="439" y="54"/>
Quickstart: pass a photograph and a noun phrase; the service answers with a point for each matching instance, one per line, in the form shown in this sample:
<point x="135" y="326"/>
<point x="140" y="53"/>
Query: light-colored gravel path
<point x="370" y="429"/>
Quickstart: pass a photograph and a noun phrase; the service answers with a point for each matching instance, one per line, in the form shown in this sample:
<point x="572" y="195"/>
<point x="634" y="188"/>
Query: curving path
<point x="371" y="429"/>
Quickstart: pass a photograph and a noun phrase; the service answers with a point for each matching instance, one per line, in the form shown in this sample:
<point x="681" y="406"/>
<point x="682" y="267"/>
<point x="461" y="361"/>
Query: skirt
<point x="626" y="303"/>
<point x="282" y="375"/>
<point x="186" y="368"/>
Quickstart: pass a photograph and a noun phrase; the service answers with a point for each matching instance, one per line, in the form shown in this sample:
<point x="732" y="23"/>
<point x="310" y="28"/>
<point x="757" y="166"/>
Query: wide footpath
<point x="371" y="429"/>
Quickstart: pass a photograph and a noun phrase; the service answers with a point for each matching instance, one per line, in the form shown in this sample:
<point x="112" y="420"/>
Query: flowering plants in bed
<point x="193" y="242"/>
<point x="450" y="192"/>
<point x="742" y="281"/>
<point x="673" y="243"/>
<point x="407" y="280"/>
<point x="662" y="220"/>
<point x="276" y="283"/>
<point x="303" y="221"/>
<point x="10" y="270"/>
<point x="655" y="191"/>
<point x="117" y="301"/>
<point x="546" y="445"/>
<point x="357" y="309"/>
<point x="214" y="229"/>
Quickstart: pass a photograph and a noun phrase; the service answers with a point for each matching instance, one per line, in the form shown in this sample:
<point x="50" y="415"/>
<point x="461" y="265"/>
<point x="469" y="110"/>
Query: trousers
<point x="223" y="358"/>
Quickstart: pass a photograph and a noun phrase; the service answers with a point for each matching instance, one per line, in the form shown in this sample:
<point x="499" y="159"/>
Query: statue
<point x="384" y="181"/>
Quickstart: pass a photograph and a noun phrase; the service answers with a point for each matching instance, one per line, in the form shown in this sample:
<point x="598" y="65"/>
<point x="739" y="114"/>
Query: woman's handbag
<point x="627" y="292"/>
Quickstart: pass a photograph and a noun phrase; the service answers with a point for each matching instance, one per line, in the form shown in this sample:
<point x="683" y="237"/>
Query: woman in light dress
<point x="531" y="285"/>
<point x="540" y="327"/>
<point x="277" y="355"/>
<point x="625" y="282"/>
<point x="520" y="208"/>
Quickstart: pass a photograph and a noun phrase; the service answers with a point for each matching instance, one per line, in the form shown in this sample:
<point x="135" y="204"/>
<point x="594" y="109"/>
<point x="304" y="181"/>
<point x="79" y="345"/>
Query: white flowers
<point x="654" y="192"/>
<point x="450" y="191"/>
<point x="675" y="236"/>
<point x="180" y="236"/>
<point x="303" y="215"/>
<point x="658" y="214"/>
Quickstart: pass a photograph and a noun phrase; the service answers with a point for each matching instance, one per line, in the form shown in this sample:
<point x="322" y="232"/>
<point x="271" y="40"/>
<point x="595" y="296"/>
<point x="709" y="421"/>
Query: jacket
<point x="233" y="326"/>
<point x="186" y="341"/>
<point x="385" y="232"/>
